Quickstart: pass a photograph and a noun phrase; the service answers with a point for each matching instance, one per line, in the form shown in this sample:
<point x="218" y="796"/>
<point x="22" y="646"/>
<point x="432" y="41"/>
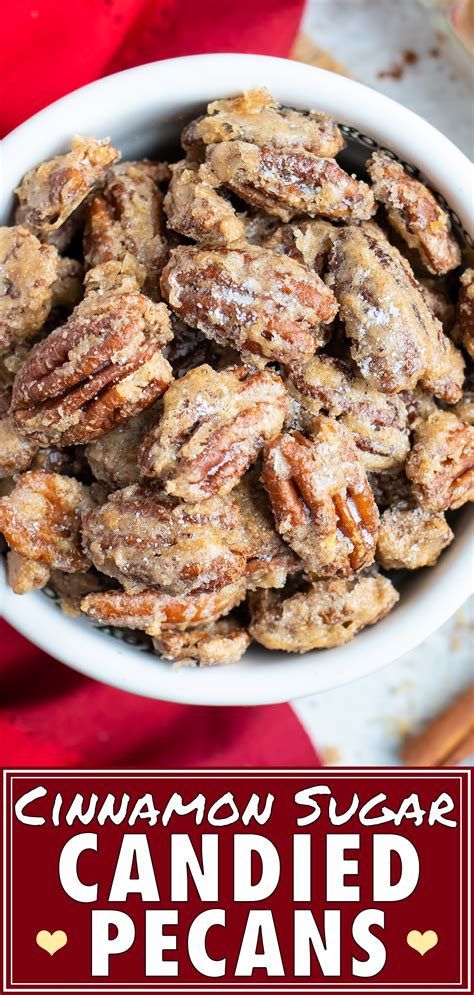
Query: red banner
<point x="247" y="880"/>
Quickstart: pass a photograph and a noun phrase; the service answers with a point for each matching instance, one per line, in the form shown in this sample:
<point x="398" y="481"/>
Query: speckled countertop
<point x="405" y="51"/>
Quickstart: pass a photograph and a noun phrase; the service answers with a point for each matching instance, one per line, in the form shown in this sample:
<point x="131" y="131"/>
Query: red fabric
<point x="49" y="47"/>
<point x="50" y="715"/>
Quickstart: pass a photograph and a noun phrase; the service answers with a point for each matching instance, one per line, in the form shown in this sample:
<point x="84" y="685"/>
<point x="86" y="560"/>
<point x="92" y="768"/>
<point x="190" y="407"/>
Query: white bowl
<point x="143" y="110"/>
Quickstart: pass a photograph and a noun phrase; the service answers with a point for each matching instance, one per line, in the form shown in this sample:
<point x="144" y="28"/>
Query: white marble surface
<point x="364" y="722"/>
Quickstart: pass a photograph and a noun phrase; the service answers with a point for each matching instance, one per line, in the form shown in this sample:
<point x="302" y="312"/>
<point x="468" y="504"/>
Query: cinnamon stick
<point x="448" y="736"/>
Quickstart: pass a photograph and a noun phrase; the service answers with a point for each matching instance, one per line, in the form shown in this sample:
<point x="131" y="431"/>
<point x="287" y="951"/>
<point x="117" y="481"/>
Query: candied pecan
<point x="463" y="331"/>
<point x="41" y="519"/>
<point x="100" y="368"/>
<point x="126" y="216"/>
<point x="414" y="213"/>
<point x="28" y="272"/>
<point x="464" y="409"/>
<point x="441" y="463"/>
<point x="444" y="374"/>
<point x="114" y="457"/>
<point x="50" y="192"/>
<point x="377" y="421"/>
<point x="321" y="499"/>
<point x="411" y="537"/>
<point x="195" y="209"/>
<point x="154" y="612"/>
<point x="255" y="116"/>
<point x="419" y="404"/>
<point x="214" y="425"/>
<point x="263" y="304"/>
<point x="215" y="643"/>
<point x="330" y="613"/>
<point x="269" y="560"/>
<point x="289" y="181"/>
<point x="394" y="335"/>
<point x="16" y="451"/>
<point x="309" y="242"/>
<point x="68" y="288"/>
<point x="24" y="574"/>
<point x="144" y="539"/>
<point x="125" y="274"/>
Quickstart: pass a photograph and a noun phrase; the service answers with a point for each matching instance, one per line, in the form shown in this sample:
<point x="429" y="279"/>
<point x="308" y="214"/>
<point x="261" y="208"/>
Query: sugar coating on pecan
<point x="290" y="181"/>
<point x="269" y="560"/>
<point x="419" y="403"/>
<point x="330" y="613"/>
<point x="195" y="209"/>
<point x="144" y="539"/>
<point x="126" y="216"/>
<point x="41" y="519"/>
<point x="28" y="273"/>
<point x="414" y="213"/>
<point x="125" y="274"/>
<point x="464" y="328"/>
<point x="155" y="612"/>
<point x="265" y="305"/>
<point x="255" y="116"/>
<point x="213" y="644"/>
<point x="49" y="193"/>
<point x="321" y="499"/>
<point x="378" y="422"/>
<point x="441" y="463"/>
<point x="214" y="425"/>
<point x="25" y="575"/>
<point x="394" y="336"/>
<point x="309" y="242"/>
<point x="113" y="458"/>
<point x="444" y="375"/>
<point x="411" y="537"/>
<point x="100" y="368"/>
<point x="464" y="409"/>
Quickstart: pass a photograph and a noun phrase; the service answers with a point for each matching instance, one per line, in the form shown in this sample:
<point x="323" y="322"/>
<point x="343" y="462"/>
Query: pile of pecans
<point x="230" y="400"/>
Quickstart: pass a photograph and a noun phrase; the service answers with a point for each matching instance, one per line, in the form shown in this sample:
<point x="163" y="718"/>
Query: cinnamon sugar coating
<point x="25" y="575"/>
<point x="255" y="116"/>
<point x="378" y="422"/>
<point x="195" y="209"/>
<point x="309" y="242"/>
<point x="213" y="426"/>
<point x="411" y="537"/>
<point x="28" y="275"/>
<point x="288" y="182"/>
<point x="414" y="213"/>
<point x="41" y="519"/>
<point x="213" y="644"/>
<point x="126" y="217"/>
<point x="322" y="502"/>
<point x="49" y="193"/>
<point x="441" y="463"/>
<point x="265" y="305"/>
<point x="155" y="612"/>
<point x="99" y="369"/>
<point x="330" y="613"/>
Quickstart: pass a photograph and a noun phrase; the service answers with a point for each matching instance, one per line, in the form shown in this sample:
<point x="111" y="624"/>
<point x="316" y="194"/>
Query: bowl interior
<point x="152" y="128"/>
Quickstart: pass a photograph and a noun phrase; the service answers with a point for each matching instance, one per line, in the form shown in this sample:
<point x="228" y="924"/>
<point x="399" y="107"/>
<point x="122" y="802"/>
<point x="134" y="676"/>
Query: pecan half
<point x="144" y="540"/>
<point x="322" y="502"/>
<point x="441" y="463"/>
<point x="395" y="339"/>
<point x="463" y="331"/>
<point x="330" y="613"/>
<point x="49" y="193"/>
<point x="255" y="116"/>
<point x="414" y="213"/>
<point x="154" y="612"/>
<point x="261" y="303"/>
<point x="25" y="575"/>
<point x="214" y="425"/>
<point x="28" y="273"/>
<point x="378" y="422"/>
<point x="41" y="519"/>
<point x="411" y="537"/>
<point x="126" y="216"/>
<point x="289" y="181"/>
<point x="214" y="644"/>
<point x="195" y="209"/>
<point x="99" y="369"/>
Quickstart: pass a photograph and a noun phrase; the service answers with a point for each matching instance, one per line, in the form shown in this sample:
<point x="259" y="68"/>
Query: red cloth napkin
<point x="50" y="715"/>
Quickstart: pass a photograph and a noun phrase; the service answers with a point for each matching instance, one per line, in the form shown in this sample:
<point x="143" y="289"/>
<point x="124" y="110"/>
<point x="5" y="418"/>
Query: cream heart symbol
<point x="51" y="942"/>
<point x="422" y="942"/>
